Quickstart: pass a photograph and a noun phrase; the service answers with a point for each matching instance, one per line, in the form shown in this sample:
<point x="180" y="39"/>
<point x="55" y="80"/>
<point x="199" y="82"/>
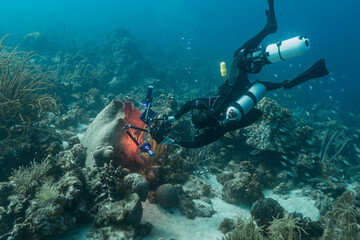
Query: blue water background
<point x="209" y="32"/>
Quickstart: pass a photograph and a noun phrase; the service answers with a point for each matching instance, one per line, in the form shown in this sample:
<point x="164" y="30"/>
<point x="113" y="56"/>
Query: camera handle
<point x="146" y="147"/>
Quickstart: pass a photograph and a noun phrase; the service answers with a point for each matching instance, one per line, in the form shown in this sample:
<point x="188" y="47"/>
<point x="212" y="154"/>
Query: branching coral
<point x="46" y="193"/>
<point x="202" y="159"/>
<point x="341" y="220"/>
<point x="27" y="179"/>
<point x="23" y="86"/>
<point x="245" y="229"/>
<point x="285" y="228"/>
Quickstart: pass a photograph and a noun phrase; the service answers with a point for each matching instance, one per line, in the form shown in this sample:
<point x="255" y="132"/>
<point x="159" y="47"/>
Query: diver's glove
<point x="169" y="141"/>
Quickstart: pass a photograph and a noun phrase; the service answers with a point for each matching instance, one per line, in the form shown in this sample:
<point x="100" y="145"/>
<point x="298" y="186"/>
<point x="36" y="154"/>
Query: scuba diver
<point x="233" y="106"/>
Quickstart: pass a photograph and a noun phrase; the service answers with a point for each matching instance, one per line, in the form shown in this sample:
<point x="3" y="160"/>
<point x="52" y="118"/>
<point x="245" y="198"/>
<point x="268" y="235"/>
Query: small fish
<point x="346" y="162"/>
<point x="290" y="65"/>
<point x="284" y="130"/>
<point x="284" y="157"/>
<point x="330" y="97"/>
<point x="282" y="139"/>
<point x="310" y="87"/>
<point x="321" y="82"/>
<point x="341" y="89"/>
<point x="284" y="164"/>
<point x="292" y="162"/>
<point x="255" y="152"/>
<point x="327" y="91"/>
<point x="345" y="127"/>
<point x="299" y="64"/>
<point x="307" y="113"/>
<point x="290" y="173"/>
<point x="358" y="130"/>
<point x="355" y="135"/>
<point x="310" y="142"/>
<point x="332" y="79"/>
<point x="306" y="174"/>
<point x="231" y="146"/>
<point x="351" y="114"/>
<point x="329" y="118"/>
<point x="333" y="112"/>
<point x="275" y="75"/>
<point x="357" y="149"/>
<point x="299" y="87"/>
<point x="275" y="95"/>
<point x="334" y="179"/>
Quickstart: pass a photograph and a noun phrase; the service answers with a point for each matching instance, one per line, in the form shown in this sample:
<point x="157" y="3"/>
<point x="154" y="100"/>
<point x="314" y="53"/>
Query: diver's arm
<point x="185" y="108"/>
<point x="198" y="141"/>
<point x="270" y="86"/>
<point x="203" y="139"/>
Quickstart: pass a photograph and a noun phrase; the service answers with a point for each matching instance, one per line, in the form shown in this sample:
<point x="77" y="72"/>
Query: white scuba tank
<point x="245" y="103"/>
<point x="283" y="50"/>
<point x="290" y="48"/>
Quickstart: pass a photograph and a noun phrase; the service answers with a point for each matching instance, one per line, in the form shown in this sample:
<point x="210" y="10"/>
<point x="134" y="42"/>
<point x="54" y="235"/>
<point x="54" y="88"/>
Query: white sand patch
<point x="352" y="186"/>
<point x="172" y="224"/>
<point x="80" y="130"/>
<point x="296" y="202"/>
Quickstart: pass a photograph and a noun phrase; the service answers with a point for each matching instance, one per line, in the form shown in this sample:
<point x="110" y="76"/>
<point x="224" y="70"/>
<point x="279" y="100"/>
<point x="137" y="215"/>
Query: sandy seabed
<point x="171" y="224"/>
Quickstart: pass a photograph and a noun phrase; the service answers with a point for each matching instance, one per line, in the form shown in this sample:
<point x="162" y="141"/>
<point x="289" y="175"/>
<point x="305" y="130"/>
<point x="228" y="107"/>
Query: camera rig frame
<point x="156" y="127"/>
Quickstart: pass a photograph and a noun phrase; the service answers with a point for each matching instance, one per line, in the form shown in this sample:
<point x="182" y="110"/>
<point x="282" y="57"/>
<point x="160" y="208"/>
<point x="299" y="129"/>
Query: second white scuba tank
<point x="245" y="103"/>
<point x="290" y="48"/>
<point x="282" y="50"/>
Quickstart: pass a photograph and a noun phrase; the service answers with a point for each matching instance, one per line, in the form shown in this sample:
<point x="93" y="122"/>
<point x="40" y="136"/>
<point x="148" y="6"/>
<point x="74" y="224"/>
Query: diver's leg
<point x="271" y="86"/>
<point x="318" y="69"/>
<point x="270" y="27"/>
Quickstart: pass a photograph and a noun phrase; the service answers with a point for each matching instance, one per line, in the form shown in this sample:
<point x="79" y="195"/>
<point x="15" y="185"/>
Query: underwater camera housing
<point x="157" y="127"/>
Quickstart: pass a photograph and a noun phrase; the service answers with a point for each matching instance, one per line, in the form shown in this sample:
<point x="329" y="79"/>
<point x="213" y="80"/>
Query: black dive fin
<point x="271" y="20"/>
<point x="318" y="69"/>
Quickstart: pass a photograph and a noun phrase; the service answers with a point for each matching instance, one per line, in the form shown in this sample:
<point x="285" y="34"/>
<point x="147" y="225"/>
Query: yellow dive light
<point x="223" y="70"/>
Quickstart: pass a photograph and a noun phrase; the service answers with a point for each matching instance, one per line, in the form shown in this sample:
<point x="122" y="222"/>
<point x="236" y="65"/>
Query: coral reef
<point x="265" y="210"/>
<point x="244" y="188"/>
<point x="245" y="229"/>
<point x="286" y="227"/>
<point x="69" y="177"/>
<point x="341" y="221"/>
<point x="23" y="96"/>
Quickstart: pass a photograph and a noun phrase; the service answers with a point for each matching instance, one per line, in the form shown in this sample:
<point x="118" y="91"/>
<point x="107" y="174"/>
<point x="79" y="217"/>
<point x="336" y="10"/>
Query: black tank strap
<point x="251" y="95"/>
<point x="278" y="44"/>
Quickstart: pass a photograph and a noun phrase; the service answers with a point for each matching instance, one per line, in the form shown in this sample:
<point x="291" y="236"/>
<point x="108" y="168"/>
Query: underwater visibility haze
<point x="81" y="155"/>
